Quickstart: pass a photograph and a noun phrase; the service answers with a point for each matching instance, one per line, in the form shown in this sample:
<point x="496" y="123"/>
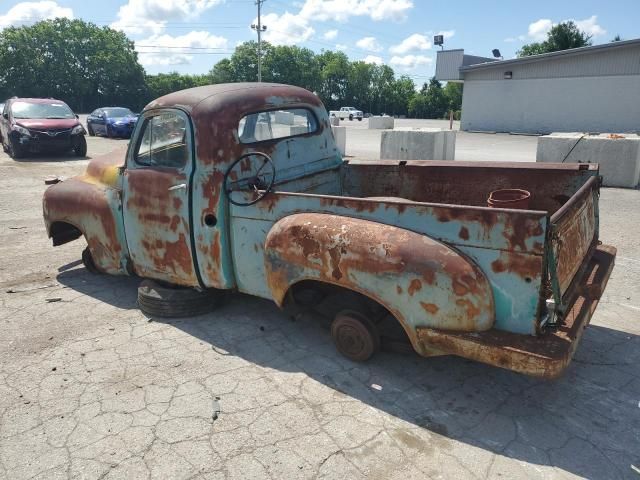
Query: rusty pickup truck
<point x="240" y="187"/>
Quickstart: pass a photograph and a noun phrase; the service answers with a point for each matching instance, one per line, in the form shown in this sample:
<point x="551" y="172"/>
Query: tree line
<point x="90" y="66"/>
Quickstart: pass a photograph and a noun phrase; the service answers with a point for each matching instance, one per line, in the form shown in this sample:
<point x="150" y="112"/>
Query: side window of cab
<point x="163" y="141"/>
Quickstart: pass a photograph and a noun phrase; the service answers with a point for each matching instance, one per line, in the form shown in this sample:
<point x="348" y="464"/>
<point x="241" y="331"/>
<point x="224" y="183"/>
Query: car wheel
<point x="87" y="261"/>
<point x="161" y="300"/>
<point x="90" y="131"/>
<point x="350" y="117"/>
<point x="80" y="149"/>
<point x="15" y="149"/>
<point x="109" y="132"/>
<point x="355" y="336"/>
<point x="359" y="119"/>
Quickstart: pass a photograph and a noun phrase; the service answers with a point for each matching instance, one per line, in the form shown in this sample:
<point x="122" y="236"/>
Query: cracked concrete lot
<point x="92" y="388"/>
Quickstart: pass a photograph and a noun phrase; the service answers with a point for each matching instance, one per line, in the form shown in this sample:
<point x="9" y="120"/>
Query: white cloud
<point x="26" y="13"/>
<point x="373" y="59"/>
<point x="341" y="46"/>
<point x="144" y="16"/>
<point x="290" y="29"/>
<point x="411" y="43"/>
<point x="410" y="61"/>
<point x="169" y="50"/>
<point x="330" y="34"/>
<point x="590" y="26"/>
<point x="538" y="29"/>
<point x="341" y="10"/>
<point x="369" y="43"/>
<point x="447" y="33"/>
<point x="286" y="29"/>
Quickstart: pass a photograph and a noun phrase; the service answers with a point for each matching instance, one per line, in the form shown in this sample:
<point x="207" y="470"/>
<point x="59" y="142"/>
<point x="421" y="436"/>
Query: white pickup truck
<point x="346" y="112"/>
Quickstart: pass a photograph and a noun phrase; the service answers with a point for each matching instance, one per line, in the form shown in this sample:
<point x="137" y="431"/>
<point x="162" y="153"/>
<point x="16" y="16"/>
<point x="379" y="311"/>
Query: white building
<point x="588" y="89"/>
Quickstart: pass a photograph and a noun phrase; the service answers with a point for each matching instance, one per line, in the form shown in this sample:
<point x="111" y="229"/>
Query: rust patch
<point x="430" y="308"/>
<point x="414" y="286"/>
<point x="399" y="289"/>
<point x="429" y="276"/>
<point x="464" y="233"/>
<point x="524" y="265"/>
<point x="472" y="310"/>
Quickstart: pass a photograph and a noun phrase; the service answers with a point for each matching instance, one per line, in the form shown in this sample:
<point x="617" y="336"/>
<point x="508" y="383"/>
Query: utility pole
<point x="259" y="28"/>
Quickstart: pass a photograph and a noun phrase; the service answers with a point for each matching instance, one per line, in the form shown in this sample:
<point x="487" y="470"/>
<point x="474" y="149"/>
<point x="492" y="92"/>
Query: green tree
<point x="223" y="72"/>
<point x="402" y="91"/>
<point x="562" y="36"/>
<point x="334" y="74"/>
<point x="294" y="66"/>
<point x="164" y="83"/>
<point x="453" y="92"/>
<point x="431" y="102"/>
<point x="85" y="65"/>
<point x="617" y="38"/>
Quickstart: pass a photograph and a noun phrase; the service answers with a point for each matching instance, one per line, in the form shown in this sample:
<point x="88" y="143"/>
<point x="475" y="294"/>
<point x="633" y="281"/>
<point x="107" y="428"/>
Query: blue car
<point x="111" y="122"/>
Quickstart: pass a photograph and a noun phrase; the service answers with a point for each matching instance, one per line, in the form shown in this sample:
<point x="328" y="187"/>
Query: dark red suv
<point x="40" y="125"/>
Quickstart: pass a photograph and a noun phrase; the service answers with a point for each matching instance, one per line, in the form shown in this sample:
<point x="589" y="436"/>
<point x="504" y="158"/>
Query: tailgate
<point x="575" y="233"/>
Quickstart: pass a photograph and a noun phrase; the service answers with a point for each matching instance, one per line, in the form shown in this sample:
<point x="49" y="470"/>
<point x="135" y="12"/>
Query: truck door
<point x="156" y="189"/>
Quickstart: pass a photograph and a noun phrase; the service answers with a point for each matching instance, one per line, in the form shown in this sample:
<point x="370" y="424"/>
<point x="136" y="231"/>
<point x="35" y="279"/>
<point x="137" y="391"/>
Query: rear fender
<point x="82" y="206"/>
<point x="421" y="281"/>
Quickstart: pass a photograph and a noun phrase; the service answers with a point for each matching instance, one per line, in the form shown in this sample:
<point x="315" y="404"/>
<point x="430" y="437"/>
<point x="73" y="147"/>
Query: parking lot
<point x="92" y="388"/>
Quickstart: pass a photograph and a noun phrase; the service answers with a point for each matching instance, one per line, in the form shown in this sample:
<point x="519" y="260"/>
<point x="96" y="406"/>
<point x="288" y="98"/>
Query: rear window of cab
<point x="276" y="124"/>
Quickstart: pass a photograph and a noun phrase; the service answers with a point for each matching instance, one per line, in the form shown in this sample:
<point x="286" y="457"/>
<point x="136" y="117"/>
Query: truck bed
<point x="446" y="201"/>
<point x="464" y="183"/>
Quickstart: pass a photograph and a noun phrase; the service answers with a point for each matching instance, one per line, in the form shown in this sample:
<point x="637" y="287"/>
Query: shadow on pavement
<point x="586" y="423"/>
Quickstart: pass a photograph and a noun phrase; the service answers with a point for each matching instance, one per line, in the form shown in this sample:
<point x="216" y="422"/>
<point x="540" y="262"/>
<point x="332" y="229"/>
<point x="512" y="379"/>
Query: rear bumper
<point x="545" y="356"/>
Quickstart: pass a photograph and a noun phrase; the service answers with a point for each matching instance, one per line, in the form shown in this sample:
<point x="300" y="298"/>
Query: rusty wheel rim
<point x="352" y="338"/>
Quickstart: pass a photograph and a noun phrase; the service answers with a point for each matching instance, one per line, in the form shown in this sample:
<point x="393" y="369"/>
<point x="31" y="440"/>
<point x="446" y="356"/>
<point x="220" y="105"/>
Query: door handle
<point x="180" y="186"/>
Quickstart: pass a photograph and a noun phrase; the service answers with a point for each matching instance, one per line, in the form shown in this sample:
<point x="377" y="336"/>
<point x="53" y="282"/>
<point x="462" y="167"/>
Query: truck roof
<point x="217" y="109"/>
<point x="228" y="97"/>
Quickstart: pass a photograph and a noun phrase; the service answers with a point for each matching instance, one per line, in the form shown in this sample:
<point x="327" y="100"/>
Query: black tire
<point x="87" y="261"/>
<point x="90" y="131"/>
<point x="15" y="150"/>
<point x="355" y="337"/>
<point x="359" y="119"/>
<point x="80" y="150"/>
<point x="350" y="117"/>
<point x="158" y="300"/>
<point x="109" y="132"/>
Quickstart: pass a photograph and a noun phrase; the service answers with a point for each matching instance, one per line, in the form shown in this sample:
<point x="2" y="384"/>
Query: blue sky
<point x="189" y="36"/>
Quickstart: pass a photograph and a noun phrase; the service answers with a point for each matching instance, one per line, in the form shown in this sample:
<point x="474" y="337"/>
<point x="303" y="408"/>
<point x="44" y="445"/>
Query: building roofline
<point x="544" y="56"/>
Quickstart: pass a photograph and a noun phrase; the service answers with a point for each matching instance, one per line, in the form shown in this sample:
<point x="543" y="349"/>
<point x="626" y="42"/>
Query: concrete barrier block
<point x="617" y="154"/>
<point x="284" y="118"/>
<point x="381" y="123"/>
<point x="340" y="136"/>
<point x="418" y="144"/>
<point x="335" y="121"/>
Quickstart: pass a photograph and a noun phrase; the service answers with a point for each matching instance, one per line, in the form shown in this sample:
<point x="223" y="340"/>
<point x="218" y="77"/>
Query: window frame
<point x="140" y="130"/>
<point x="269" y="110"/>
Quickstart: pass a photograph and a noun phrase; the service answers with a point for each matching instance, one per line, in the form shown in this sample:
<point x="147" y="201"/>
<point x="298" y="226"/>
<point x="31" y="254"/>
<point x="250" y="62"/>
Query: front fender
<point x="421" y="281"/>
<point x="95" y="210"/>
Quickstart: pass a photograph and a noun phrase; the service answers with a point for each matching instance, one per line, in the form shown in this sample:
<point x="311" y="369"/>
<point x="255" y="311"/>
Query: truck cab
<point x="240" y="187"/>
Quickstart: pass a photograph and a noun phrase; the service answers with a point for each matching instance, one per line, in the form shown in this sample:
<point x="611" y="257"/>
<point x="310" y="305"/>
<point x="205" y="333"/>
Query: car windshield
<point x="118" y="112"/>
<point x="41" y="110"/>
